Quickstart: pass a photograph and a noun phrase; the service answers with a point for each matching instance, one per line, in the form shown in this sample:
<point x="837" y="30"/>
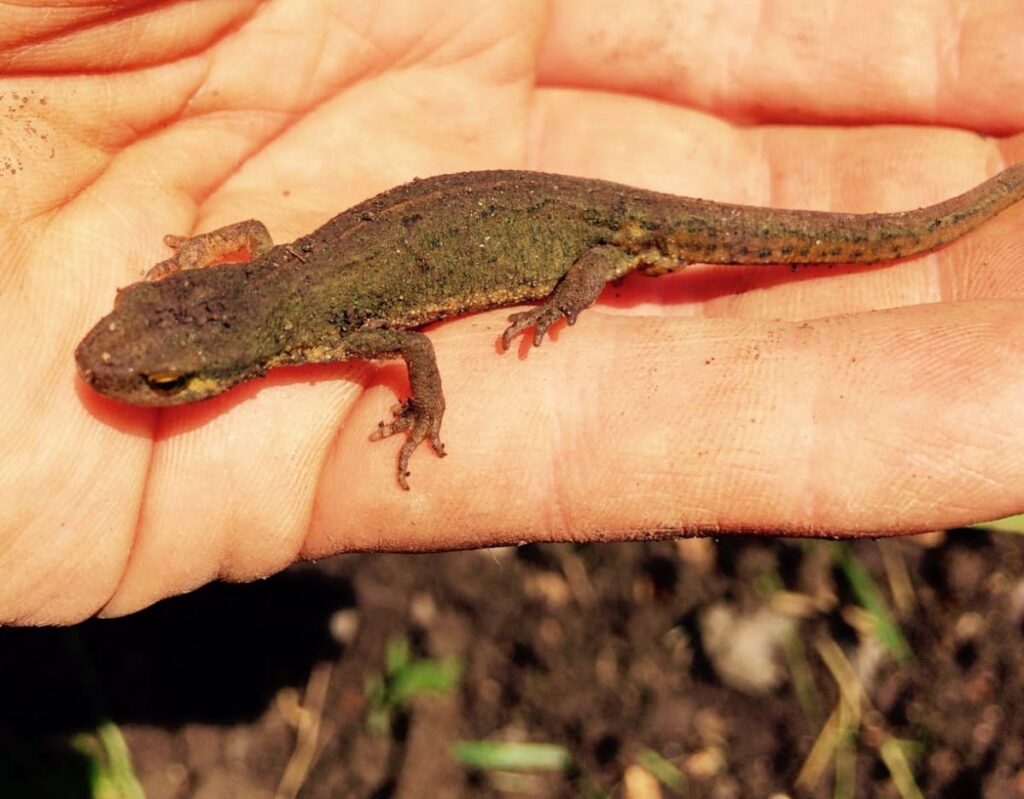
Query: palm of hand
<point x="858" y="422"/>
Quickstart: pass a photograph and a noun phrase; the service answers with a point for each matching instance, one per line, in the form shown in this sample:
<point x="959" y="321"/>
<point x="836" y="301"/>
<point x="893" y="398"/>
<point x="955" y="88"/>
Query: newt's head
<point x="172" y="341"/>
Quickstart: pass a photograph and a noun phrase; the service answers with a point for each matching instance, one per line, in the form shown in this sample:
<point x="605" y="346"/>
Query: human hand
<point x="850" y="401"/>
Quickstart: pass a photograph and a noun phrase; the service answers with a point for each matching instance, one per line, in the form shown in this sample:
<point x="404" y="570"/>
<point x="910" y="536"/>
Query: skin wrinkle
<point x="180" y="112"/>
<point x="369" y="70"/>
<point x="63" y="205"/>
<point x="361" y="373"/>
<point x="286" y="557"/>
<point x="948" y="63"/>
<point x="75" y="29"/>
<point x="136" y="538"/>
<point x="289" y="119"/>
<point x="57" y="205"/>
<point x="559" y="486"/>
<point x="198" y="199"/>
<point x="822" y="406"/>
<point x="296" y="117"/>
<point x="74" y="25"/>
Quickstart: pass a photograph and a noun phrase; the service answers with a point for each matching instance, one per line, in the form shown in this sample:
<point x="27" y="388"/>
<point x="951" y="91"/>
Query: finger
<point x="838" y="169"/>
<point x="898" y="421"/>
<point x="831" y="61"/>
<point x="231" y="483"/>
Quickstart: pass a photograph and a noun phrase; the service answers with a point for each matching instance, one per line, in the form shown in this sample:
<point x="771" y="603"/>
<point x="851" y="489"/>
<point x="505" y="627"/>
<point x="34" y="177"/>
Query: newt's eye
<point x="166" y="383"/>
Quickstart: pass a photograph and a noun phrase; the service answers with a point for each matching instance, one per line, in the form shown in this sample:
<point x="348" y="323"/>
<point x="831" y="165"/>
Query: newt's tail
<point x="768" y="236"/>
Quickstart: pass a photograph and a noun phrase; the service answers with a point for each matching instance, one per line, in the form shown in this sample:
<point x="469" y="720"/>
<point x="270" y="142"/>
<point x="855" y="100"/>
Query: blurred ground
<point x="740" y="667"/>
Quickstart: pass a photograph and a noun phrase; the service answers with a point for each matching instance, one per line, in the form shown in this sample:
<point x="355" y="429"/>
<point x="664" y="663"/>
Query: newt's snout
<point x="95" y="363"/>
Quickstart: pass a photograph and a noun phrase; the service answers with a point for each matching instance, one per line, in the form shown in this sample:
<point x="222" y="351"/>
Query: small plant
<point x="404" y="679"/>
<point x="110" y="774"/>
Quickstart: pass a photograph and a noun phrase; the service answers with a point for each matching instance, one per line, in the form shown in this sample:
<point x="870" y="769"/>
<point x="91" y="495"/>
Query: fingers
<point x="231" y="483"/>
<point x="787" y="63"/>
<point x="898" y="421"/>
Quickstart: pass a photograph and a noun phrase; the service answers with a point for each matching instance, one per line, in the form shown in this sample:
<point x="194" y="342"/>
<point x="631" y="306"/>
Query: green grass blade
<point x="1011" y="524"/>
<point x="871" y="599"/>
<point x="664" y="771"/>
<point x="510" y="756"/>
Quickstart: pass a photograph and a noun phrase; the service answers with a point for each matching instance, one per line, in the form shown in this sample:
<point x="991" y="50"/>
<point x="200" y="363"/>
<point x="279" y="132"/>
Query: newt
<point x="360" y="285"/>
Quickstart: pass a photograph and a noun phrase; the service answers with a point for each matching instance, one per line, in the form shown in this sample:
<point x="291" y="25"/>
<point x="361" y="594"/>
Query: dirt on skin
<point x="714" y="665"/>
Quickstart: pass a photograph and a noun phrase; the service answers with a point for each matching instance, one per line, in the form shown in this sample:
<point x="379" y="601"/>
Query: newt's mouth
<point x="157" y="387"/>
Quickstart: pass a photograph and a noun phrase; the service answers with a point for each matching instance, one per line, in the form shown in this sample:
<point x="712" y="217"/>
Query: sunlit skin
<point x="817" y="400"/>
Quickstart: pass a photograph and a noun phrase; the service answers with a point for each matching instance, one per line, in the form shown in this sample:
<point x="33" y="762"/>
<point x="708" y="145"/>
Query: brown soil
<point x="715" y="656"/>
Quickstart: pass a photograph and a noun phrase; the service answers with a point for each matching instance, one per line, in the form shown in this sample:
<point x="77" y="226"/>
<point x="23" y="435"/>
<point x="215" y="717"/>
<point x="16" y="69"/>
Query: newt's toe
<point x="421" y="425"/>
<point x="540" y="319"/>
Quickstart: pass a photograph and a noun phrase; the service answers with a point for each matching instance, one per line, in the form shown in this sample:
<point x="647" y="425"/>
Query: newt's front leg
<point x="420" y="415"/>
<point x="200" y="251"/>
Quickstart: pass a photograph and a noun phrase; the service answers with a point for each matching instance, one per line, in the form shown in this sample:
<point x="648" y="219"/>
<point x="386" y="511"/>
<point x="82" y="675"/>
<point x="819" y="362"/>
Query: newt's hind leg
<point x="575" y="292"/>
<point x="197" y="252"/>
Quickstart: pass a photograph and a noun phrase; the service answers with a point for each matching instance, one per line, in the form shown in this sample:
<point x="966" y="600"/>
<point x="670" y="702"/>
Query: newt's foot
<point x="421" y="424"/>
<point x="576" y="292"/>
<point x="207" y="249"/>
<point x="191" y="253"/>
<point x="540" y="319"/>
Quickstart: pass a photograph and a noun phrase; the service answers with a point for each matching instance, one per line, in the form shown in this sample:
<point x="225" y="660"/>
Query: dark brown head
<point x="174" y="341"/>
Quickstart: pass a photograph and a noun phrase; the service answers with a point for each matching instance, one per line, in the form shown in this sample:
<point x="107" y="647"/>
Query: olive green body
<point x="457" y="244"/>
